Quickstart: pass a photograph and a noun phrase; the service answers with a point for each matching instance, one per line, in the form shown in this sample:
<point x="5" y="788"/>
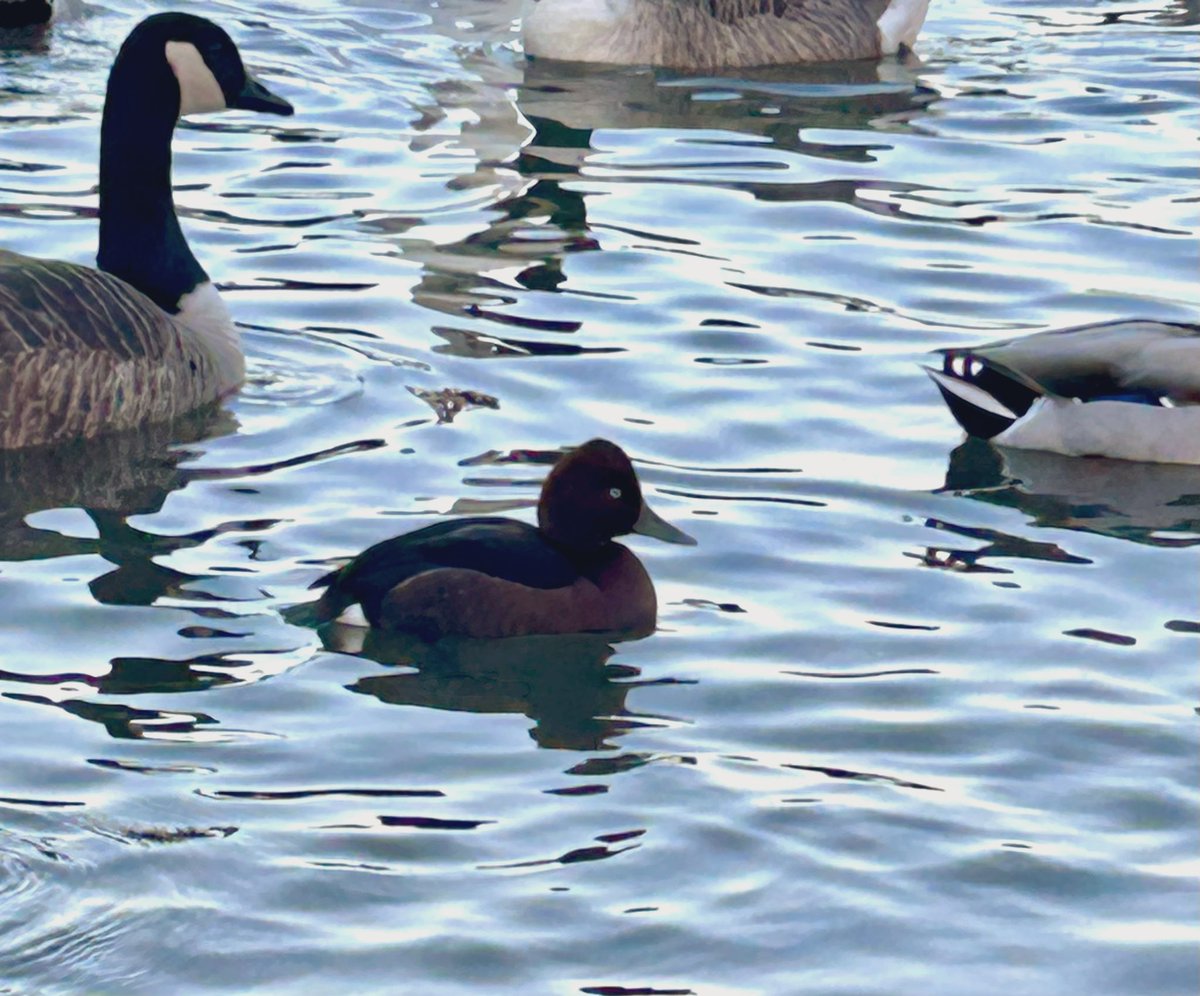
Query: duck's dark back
<point x="502" y="548"/>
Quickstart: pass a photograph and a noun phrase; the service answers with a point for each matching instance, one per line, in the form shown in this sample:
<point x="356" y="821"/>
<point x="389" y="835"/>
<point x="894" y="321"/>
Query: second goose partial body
<point x="145" y="337"/>
<point x="716" y="34"/>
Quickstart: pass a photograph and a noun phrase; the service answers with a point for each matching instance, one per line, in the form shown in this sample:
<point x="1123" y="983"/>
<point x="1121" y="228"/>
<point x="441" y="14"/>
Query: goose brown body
<point x="120" y="362"/>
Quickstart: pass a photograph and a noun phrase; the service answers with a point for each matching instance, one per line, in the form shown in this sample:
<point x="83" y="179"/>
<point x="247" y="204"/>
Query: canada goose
<point x="24" y="13"/>
<point x="145" y="337"/>
<point x="1129" y="390"/>
<point x="712" y="34"/>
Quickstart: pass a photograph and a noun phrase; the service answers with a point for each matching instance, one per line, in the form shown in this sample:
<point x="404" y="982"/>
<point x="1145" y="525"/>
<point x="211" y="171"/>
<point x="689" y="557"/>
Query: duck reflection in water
<point x="1152" y="504"/>
<point x="566" y="684"/>
<point x="489" y="577"/>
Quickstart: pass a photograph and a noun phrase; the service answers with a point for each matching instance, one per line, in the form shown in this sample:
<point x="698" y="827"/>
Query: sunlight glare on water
<point x="920" y="716"/>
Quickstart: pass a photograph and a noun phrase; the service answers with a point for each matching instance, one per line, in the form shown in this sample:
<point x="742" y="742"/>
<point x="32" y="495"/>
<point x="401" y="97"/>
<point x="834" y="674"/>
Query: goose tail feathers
<point x="984" y="396"/>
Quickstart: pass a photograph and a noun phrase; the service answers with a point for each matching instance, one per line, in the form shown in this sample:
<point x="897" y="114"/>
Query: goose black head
<point x="204" y="62"/>
<point x="170" y="64"/>
<point x="592" y="495"/>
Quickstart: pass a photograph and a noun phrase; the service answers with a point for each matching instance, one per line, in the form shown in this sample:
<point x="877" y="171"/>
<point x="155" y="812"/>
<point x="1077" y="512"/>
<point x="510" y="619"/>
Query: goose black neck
<point x="140" y="238"/>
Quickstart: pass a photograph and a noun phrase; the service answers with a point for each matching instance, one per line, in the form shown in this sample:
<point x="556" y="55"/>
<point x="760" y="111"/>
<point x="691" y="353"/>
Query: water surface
<point x="919" y="716"/>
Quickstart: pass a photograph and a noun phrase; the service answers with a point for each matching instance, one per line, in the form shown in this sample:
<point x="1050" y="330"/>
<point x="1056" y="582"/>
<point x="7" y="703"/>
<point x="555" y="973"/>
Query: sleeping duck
<point x="1129" y="390"/>
<point x="495" y="577"/>
<point x="715" y="34"/>
<point x="145" y="337"/>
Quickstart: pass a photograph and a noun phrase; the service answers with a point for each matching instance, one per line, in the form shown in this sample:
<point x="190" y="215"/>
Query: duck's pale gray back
<point x="1162" y="358"/>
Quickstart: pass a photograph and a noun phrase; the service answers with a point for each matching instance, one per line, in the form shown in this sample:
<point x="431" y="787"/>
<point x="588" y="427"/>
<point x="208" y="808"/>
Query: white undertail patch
<point x="901" y="23"/>
<point x="199" y="90"/>
<point x="353" y="615"/>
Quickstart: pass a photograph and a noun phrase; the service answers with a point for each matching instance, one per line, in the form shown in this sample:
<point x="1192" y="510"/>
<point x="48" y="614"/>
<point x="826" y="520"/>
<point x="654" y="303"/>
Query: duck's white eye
<point x="614" y="492"/>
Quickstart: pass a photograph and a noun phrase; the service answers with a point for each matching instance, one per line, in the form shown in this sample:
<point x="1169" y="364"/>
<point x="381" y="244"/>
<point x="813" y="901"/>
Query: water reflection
<point x="75" y="692"/>
<point x="109" y="479"/>
<point x="1155" y="504"/>
<point x="1176" y="13"/>
<point x="566" y="103"/>
<point x="566" y="684"/>
<point x="76" y="500"/>
<point x="123" y="722"/>
<point x="1063" y="760"/>
<point x="762" y="136"/>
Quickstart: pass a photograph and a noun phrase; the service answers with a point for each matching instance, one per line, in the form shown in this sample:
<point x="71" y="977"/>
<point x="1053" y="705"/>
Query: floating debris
<point x="450" y="401"/>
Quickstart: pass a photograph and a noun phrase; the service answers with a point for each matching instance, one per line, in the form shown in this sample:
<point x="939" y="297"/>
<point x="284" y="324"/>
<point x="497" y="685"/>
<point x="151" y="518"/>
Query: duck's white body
<point x="714" y="34"/>
<point x="1124" y="390"/>
<point x="1120" y="430"/>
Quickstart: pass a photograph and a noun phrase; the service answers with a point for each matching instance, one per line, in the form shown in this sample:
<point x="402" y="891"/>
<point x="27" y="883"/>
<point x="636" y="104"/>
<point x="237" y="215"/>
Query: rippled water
<point x="919" y="717"/>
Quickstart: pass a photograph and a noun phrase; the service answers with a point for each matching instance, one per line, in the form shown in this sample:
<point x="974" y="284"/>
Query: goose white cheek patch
<point x="199" y="90"/>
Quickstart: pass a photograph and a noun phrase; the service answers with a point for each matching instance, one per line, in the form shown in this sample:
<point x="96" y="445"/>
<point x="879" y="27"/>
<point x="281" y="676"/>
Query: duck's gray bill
<point x="256" y="97"/>
<point x="649" y="523"/>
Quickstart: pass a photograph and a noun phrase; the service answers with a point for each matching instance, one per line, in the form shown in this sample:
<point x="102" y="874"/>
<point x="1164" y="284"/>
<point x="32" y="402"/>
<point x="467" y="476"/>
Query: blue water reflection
<point x="918" y="716"/>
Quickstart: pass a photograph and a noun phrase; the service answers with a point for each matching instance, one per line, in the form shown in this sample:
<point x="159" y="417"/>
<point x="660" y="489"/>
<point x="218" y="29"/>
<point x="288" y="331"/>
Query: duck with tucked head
<point x="491" y="577"/>
<point x="1127" y="390"/>
<point x="716" y="34"/>
<point x="145" y="337"/>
